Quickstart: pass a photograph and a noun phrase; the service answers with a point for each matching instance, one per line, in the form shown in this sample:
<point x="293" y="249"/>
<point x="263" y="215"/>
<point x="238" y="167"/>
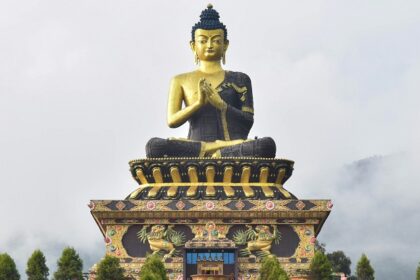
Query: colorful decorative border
<point x="106" y="212"/>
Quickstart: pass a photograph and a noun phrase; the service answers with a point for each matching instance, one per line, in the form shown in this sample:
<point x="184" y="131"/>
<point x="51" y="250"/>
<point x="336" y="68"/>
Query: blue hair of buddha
<point x="209" y="20"/>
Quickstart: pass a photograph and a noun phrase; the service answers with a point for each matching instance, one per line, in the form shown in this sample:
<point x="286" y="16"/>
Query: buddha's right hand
<point x="201" y="95"/>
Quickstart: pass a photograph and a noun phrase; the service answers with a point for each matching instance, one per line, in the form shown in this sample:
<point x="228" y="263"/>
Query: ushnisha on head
<point x="209" y="20"/>
<point x="209" y="37"/>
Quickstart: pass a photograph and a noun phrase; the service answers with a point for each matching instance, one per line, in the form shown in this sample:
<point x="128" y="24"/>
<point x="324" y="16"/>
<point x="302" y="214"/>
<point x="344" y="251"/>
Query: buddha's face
<point x="209" y="45"/>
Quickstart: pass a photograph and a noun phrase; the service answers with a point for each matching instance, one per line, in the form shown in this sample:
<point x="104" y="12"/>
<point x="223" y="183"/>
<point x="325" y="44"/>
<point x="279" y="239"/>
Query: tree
<point x="364" y="270"/>
<point x="8" y="269"/>
<point x="321" y="267"/>
<point x="271" y="270"/>
<point x="320" y="247"/>
<point x="340" y="262"/>
<point x="109" y="269"/>
<point x="418" y="272"/>
<point x="69" y="266"/>
<point x="153" y="269"/>
<point x="36" y="268"/>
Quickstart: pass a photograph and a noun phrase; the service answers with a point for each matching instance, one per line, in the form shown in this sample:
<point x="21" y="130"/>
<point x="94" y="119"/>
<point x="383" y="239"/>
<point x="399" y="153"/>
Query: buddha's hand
<point x="201" y="98"/>
<point x="212" y="96"/>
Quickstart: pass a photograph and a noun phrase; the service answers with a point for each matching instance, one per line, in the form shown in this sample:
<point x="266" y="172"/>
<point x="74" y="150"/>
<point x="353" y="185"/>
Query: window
<point x="227" y="257"/>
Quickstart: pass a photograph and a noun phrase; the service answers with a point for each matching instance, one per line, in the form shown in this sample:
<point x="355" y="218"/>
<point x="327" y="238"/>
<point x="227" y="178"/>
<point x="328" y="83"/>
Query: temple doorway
<point x="201" y="264"/>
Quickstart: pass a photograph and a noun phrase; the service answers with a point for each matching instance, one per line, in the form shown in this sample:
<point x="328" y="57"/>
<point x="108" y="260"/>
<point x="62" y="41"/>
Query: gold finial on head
<point x="210" y="6"/>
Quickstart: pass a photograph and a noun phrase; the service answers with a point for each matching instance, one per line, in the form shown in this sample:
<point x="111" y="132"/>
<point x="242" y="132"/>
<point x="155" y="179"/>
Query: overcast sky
<point x="84" y="83"/>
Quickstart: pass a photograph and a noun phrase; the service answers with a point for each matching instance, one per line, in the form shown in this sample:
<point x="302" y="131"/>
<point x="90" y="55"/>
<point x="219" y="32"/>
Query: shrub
<point x="153" y="269"/>
<point x="109" y="269"/>
<point x="271" y="270"/>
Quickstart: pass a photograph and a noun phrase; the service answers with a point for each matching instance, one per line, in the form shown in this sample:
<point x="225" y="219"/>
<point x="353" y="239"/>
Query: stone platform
<point x="206" y="178"/>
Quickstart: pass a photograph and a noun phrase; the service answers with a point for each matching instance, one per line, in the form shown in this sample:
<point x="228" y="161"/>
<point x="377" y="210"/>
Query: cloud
<point x="375" y="213"/>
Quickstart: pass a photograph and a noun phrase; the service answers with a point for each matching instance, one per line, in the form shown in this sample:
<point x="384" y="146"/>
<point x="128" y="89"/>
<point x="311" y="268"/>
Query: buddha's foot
<point x="262" y="147"/>
<point x="160" y="148"/>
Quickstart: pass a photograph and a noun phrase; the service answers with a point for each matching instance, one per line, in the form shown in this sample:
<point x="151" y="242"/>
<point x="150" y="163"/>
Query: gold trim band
<point x="224" y="123"/>
<point x="214" y="184"/>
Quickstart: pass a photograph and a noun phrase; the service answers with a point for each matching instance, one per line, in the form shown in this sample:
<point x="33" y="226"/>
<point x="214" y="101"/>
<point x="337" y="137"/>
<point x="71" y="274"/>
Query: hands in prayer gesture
<point x="207" y="93"/>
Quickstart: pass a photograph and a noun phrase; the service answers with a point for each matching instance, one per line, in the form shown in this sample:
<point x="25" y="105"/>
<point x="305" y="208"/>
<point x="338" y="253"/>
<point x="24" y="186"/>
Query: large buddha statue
<point x="218" y="104"/>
